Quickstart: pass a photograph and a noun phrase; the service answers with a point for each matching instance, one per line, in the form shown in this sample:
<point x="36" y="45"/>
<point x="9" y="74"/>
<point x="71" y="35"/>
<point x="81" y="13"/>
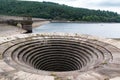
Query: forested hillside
<point x="49" y="10"/>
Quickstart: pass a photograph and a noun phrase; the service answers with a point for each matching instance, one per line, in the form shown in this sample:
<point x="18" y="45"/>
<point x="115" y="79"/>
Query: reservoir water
<point x="108" y="30"/>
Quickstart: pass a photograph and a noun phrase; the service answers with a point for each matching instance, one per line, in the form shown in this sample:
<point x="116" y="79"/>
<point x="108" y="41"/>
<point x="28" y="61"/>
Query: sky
<point x="110" y="5"/>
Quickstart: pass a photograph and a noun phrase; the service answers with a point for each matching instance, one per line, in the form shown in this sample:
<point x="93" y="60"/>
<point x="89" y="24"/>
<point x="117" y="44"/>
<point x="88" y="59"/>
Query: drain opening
<point x="57" y="54"/>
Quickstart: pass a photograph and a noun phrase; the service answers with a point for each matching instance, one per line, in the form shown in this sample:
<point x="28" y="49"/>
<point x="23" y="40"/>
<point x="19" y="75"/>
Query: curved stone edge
<point x="112" y="66"/>
<point x="19" y="36"/>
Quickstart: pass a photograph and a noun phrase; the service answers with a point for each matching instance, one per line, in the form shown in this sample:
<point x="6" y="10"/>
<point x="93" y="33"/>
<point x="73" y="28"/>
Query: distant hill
<point x="49" y="10"/>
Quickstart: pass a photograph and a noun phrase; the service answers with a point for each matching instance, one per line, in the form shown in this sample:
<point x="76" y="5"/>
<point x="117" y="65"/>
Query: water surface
<point x="108" y="30"/>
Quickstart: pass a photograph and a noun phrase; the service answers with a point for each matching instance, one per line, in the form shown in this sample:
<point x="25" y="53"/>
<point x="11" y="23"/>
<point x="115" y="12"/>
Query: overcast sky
<point x="111" y="5"/>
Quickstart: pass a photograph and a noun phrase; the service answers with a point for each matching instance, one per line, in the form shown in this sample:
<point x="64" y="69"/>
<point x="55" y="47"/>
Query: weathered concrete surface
<point x="9" y="73"/>
<point x="109" y="71"/>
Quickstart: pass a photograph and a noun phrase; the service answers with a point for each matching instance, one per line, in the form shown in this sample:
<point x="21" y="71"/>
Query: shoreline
<point x="8" y="30"/>
<point x="38" y="24"/>
<point x="58" y="21"/>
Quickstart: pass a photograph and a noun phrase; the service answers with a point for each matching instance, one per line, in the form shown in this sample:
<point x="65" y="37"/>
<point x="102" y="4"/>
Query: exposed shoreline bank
<point x="37" y="24"/>
<point x="60" y="21"/>
<point x="8" y="30"/>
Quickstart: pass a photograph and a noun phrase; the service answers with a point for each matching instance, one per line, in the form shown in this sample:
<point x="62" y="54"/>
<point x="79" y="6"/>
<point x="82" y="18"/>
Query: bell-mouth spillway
<point x="43" y="54"/>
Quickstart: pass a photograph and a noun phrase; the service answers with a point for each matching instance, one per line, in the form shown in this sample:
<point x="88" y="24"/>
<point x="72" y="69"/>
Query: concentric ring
<point x="57" y="53"/>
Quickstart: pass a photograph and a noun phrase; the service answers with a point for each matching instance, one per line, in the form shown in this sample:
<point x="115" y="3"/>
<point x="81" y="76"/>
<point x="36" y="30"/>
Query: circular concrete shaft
<point x="45" y="54"/>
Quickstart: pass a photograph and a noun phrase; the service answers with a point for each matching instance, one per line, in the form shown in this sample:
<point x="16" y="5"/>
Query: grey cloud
<point x="109" y="4"/>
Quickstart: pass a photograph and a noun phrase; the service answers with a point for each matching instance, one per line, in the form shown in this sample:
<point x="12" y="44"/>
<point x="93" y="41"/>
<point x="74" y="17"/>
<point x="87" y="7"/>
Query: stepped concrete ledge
<point x="59" y="56"/>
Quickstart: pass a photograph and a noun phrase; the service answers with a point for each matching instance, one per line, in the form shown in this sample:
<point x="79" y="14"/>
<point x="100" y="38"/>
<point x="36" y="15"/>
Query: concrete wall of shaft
<point x="58" y="53"/>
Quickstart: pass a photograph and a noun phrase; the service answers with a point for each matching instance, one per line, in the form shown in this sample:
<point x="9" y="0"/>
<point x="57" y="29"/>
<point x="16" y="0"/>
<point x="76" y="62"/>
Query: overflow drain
<point x="56" y="53"/>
